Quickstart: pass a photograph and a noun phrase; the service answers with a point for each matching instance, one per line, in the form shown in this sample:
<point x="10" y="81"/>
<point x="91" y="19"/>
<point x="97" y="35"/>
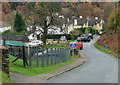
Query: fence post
<point x="73" y="52"/>
<point x="47" y="57"/>
<point x="24" y="57"/>
<point x="51" y="56"/>
<point x="37" y="56"/>
<point x="55" y="55"/>
<point x="60" y="54"/>
<point x="30" y="55"/>
<point x="42" y="56"/>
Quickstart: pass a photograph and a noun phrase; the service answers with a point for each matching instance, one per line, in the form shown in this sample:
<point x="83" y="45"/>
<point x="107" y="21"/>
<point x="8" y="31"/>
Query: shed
<point x="15" y="43"/>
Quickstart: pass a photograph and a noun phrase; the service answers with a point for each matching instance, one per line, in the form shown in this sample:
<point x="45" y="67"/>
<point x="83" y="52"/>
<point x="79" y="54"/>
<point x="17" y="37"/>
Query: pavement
<point x="100" y="67"/>
<point x="22" y="78"/>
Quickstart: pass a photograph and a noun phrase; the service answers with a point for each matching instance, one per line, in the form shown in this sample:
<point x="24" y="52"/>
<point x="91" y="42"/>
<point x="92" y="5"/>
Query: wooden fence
<point x="36" y="56"/>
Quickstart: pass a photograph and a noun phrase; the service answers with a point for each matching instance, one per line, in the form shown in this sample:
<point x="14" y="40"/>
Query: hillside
<point x="111" y="40"/>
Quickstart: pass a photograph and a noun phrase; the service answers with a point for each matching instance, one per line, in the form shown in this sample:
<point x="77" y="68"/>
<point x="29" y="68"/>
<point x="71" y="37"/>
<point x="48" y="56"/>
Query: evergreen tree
<point x="19" y="24"/>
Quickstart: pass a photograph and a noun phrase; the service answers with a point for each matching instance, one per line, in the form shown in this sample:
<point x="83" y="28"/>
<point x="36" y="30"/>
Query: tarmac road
<point x="99" y="68"/>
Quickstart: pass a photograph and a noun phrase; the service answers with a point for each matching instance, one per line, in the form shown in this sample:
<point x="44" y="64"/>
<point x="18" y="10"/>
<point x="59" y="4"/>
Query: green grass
<point x="70" y="40"/>
<point x="106" y="50"/>
<point x="18" y="67"/>
<point x="56" y="45"/>
<point x="4" y="78"/>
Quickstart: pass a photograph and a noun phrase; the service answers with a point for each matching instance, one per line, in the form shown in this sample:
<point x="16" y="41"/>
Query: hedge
<point x="57" y="36"/>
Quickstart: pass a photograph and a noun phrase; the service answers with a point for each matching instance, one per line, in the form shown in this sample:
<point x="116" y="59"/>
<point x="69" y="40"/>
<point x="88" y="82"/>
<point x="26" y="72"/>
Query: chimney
<point x="75" y="21"/>
<point x="96" y="17"/>
<point x="80" y="17"/>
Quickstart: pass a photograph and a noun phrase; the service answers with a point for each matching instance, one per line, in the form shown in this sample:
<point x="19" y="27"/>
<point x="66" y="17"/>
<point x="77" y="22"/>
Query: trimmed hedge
<point x="57" y="36"/>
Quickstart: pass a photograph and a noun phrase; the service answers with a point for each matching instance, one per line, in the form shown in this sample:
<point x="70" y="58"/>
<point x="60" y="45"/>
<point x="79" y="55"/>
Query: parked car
<point x="89" y="35"/>
<point x="79" y="44"/>
<point x="100" y="33"/>
<point x="83" y="39"/>
<point x="35" y="43"/>
<point x="63" y="39"/>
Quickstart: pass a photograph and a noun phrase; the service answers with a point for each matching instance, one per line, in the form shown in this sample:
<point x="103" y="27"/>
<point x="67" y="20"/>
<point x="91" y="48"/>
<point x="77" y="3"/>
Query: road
<point x="99" y="68"/>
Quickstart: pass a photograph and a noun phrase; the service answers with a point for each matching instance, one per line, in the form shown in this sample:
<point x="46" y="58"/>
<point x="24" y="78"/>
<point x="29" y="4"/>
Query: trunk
<point x="44" y="40"/>
<point x="44" y="37"/>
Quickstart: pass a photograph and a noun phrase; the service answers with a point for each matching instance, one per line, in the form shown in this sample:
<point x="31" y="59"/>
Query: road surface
<point x="99" y="68"/>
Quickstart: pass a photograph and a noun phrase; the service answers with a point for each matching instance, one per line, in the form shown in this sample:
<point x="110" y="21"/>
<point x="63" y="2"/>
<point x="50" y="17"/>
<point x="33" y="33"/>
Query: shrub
<point x="111" y="19"/>
<point x="57" y="36"/>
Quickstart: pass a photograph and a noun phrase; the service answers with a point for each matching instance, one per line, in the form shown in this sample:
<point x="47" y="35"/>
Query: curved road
<point x="99" y="68"/>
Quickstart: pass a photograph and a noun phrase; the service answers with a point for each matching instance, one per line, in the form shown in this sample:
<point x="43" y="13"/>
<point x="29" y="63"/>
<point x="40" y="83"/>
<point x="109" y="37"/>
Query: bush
<point x="86" y="30"/>
<point x="9" y="32"/>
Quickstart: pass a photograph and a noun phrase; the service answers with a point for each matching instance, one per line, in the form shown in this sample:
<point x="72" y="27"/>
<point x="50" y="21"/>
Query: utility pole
<point x="115" y="19"/>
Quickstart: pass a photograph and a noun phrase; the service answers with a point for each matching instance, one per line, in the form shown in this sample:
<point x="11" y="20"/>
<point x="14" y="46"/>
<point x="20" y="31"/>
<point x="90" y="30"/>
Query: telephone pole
<point x="115" y="19"/>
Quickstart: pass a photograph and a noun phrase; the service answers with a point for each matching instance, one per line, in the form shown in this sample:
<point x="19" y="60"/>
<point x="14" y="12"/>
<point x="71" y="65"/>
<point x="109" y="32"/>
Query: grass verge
<point x="106" y="50"/>
<point x="4" y="78"/>
<point x="18" y="67"/>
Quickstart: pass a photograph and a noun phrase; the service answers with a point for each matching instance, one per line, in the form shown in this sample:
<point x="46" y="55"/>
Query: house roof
<point x="15" y="43"/>
<point x="22" y="37"/>
<point x="91" y="21"/>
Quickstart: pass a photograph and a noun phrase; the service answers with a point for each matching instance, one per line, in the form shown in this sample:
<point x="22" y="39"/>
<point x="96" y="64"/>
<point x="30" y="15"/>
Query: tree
<point x="111" y="19"/>
<point x="19" y="24"/>
<point x="88" y="30"/>
<point x="108" y="7"/>
<point x="44" y="17"/>
<point x="6" y="7"/>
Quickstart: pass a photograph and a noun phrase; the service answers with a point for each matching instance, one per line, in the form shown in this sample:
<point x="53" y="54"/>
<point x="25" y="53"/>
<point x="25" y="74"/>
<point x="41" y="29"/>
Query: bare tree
<point x="44" y="16"/>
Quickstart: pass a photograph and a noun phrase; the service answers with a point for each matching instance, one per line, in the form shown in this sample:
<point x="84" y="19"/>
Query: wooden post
<point x="61" y="54"/>
<point x="37" y="56"/>
<point x="51" y="56"/>
<point x="23" y="56"/>
<point x="55" y="55"/>
<point x="58" y="55"/>
<point x="72" y="52"/>
<point x="47" y="57"/>
<point x="4" y="42"/>
<point x="30" y="56"/>
<point x="42" y="56"/>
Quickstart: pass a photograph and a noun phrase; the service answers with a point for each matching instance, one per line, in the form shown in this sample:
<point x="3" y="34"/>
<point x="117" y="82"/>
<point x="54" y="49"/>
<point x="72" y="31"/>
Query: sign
<point x="106" y="47"/>
<point x="73" y="45"/>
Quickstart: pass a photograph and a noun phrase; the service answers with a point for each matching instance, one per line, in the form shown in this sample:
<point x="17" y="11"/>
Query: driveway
<point x="100" y="67"/>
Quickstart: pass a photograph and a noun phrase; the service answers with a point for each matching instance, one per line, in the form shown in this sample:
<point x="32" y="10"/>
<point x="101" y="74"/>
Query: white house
<point x="88" y="22"/>
<point x="51" y="30"/>
<point x="4" y="26"/>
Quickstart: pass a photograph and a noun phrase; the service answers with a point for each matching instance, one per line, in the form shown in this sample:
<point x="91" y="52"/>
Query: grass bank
<point x="4" y="78"/>
<point x="18" y="67"/>
<point x="106" y="50"/>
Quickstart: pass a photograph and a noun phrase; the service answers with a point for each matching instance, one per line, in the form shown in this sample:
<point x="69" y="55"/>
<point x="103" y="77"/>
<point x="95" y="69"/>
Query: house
<point x="51" y="30"/>
<point x="4" y="26"/>
<point x="88" y="22"/>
